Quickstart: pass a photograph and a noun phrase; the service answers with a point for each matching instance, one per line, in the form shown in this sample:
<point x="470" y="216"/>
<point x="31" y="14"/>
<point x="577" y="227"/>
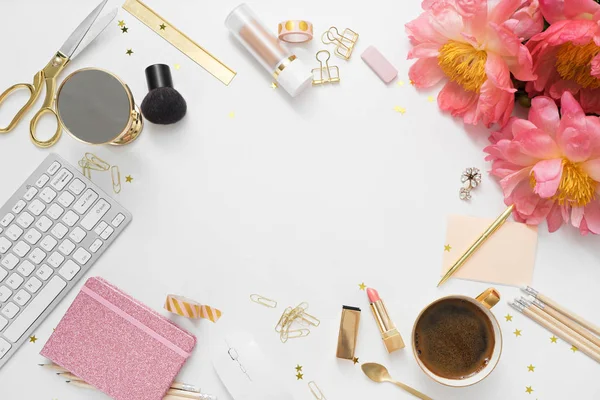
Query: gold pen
<point x="477" y="244"/>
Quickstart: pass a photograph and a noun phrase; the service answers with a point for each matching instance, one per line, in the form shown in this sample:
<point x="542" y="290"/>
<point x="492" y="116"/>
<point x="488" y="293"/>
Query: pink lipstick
<point x="389" y="334"/>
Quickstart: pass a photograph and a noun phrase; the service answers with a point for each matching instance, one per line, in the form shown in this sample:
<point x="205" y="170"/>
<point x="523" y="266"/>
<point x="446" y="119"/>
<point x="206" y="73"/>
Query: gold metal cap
<point x="393" y="341"/>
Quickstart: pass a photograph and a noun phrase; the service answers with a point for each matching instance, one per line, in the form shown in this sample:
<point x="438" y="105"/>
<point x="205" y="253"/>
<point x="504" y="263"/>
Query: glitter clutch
<point x="118" y="345"/>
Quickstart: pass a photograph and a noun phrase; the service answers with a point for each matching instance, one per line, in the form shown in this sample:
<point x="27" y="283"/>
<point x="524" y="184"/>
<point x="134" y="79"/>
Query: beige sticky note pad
<point x="507" y="257"/>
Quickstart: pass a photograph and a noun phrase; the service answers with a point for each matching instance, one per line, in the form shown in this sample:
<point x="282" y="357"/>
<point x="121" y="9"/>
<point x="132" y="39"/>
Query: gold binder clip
<point x="325" y="73"/>
<point x="257" y="298"/>
<point x="314" y="389"/>
<point x="344" y="43"/>
<point x="116" y="178"/>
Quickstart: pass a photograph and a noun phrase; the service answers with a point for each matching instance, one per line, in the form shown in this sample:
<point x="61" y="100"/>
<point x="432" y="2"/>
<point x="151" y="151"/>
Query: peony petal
<point x="595" y="66"/>
<point x="572" y="114"/>
<point x="420" y="30"/>
<point x="577" y="216"/>
<point x="553" y="10"/>
<point x="580" y="9"/>
<point x="592" y="168"/>
<point x="447" y="22"/>
<point x="537" y="143"/>
<point x="575" y="144"/>
<point x="524" y="199"/>
<point x="547" y="175"/>
<point x="561" y="86"/>
<point x="554" y="218"/>
<point x="592" y="217"/>
<point x="503" y="10"/>
<point x="505" y="133"/>
<point x="455" y="99"/>
<point x="590" y="100"/>
<point x="544" y="114"/>
<point x="510" y="182"/>
<point x="522" y="65"/>
<point x="425" y="72"/>
<point x="527" y="21"/>
<point x="424" y="50"/>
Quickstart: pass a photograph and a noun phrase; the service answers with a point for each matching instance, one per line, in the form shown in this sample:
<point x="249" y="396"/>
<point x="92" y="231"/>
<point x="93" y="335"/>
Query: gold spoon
<point x="378" y="373"/>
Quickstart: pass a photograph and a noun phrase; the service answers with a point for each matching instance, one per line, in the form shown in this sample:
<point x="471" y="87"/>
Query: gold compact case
<point x="96" y="107"/>
<point x="348" y="332"/>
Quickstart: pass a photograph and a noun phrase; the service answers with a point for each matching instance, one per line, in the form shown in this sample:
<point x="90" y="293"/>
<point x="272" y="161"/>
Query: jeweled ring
<point x="295" y="31"/>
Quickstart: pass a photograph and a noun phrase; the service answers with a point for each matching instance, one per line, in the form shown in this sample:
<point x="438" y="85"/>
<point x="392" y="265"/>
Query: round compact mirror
<point x="96" y="107"/>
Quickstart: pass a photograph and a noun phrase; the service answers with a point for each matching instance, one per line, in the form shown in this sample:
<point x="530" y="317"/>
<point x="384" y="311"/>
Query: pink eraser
<point x="379" y="64"/>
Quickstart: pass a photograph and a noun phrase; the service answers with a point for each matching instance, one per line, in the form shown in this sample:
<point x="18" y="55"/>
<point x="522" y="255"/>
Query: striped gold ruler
<point x="180" y="40"/>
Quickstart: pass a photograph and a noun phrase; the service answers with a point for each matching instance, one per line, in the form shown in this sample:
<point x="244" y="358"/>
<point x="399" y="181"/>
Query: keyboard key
<point x="53" y="168"/>
<point x="5" y="293"/>
<point x="37" y="306"/>
<point x="7" y="219"/>
<point x="96" y="245"/>
<point x="44" y="223"/>
<point x="36" y="207"/>
<point x="69" y="270"/>
<point x="66" y="247"/>
<point x="10" y="261"/>
<point x="3" y="274"/>
<point x="42" y="181"/>
<point x="48" y="243"/>
<point x="4" y="245"/>
<point x="77" y="186"/>
<point x="77" y="234"/>
<point x="81" y="256"/>
<point x="70" y="218"/>
<point x="30" y="193"/>
<point x="95" y="214"/>
<point x="66" y="199"/>
<point x="55" y="259"/>
<point x="44" y="272"/>
<point x="47" y="195"/>
<point x="22" y="297"/>
<point x="107" y="232"/>
<point x="4" y="347"/>
<point x="61" y="179"/>
<point x="37" y="256"/>
<point x="17" y="208"/>
<point x="55" y="211"/>
<point x="85" y="201"/>
<point x="118" y="220"/>
<point x="33" y="236"/>
<point x="100" y="228"/>
<point x="3" y="323"/>
<point x="21" y="249"/>
<point x="14" y="281"/>
<point x="33" y="284"/>
<point x="25" y="220"/>
<point x="13" y="232"/>
<point x="10" y="310"/>
<point x="60" y="230"/>
<point x="26" y="268"/>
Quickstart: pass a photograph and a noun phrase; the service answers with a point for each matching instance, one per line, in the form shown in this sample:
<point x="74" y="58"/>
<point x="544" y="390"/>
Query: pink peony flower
<point x="549" y="167"/>
<point x="556" y="10"/>
<point x="473" y="44"/>
<point x="566" y="57"/>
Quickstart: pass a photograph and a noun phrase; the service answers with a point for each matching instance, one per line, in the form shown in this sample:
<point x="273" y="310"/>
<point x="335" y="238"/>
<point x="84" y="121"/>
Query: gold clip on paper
<point x="344" y="43"/>
<point x="257" y="298"/>
<point x="116" y="178"/>
<point x="325" y="73"/>
<point x="314" y="389"/>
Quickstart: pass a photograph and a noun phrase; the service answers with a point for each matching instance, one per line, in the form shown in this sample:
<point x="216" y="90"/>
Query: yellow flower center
<point x="573" y="63"/>
<point x="576" y="188"/>
<point x="463" y="64"/>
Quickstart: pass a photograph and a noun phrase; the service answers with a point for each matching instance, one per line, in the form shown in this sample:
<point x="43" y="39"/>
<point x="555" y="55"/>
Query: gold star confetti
<point x="273" y="85"/>
<point x="129" y="52"/>
<point x="177" y="66"/>
<point x="430" y="99"/>
<point x="411" y="82"/>
<point x="355" y="360"/>
<point x="362" y="286"/>
<point x="121" y="23"/>
<point x="124" y="29"/>
<point x="574" y="349"/>
<point x="32" y="339"/>
<point x="553" y="339"/>
<point x="528" y="389"/>
<point x="517" y="333"/>
<point x="162" y="27"/>
<point x="508" y="318"/>
<point x="128" y="178"/>
<point x="299" y="376"/>
<point x="399" y="109"/>
<point x="530" y="368"/>
<point x="447" y="248"/>
<point x="298" y="368"/>
<point x="232" y="115"/>
<point x="400" y="83"/>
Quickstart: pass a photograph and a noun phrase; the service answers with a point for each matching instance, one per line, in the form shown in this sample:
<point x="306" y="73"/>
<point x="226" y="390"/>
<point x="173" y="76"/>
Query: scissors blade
<point x="69" y="47"/>
<point x="95" y="30"/>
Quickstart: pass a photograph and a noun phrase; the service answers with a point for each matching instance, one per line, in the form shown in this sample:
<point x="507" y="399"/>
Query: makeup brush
<point x="163" y="104"/>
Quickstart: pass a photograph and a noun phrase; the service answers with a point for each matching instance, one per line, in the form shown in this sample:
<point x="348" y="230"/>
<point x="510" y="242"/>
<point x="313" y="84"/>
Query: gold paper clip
<point x="96" y="161"/>
<point x="344" y="44"/>
<point x="325" y="73"/>
<point x="312" y="320"/>
<point x="283" y="320"/>
<point x="257" y="298"/>
<point x="314" y="389"/>
<point x="116" y="178"/>
<point x="85" y="169"/>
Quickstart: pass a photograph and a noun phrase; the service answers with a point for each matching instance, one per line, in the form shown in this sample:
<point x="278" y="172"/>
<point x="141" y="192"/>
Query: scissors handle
<point x="33" y="127"/>
<point x="34" y="91"/>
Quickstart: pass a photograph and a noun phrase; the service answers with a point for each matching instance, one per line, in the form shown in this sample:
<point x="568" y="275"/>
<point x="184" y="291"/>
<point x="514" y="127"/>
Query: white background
<point x="296" y="199"/>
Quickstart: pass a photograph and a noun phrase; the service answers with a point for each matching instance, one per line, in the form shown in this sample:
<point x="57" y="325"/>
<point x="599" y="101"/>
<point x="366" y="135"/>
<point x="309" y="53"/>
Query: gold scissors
<point x="69" y="50"/>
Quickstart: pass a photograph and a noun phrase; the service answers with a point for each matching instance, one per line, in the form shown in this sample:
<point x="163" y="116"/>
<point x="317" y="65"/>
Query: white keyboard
<point x="52" y="230"/>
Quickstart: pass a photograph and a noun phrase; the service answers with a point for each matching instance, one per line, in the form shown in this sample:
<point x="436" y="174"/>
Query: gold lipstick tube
<point x="389" y="334"/>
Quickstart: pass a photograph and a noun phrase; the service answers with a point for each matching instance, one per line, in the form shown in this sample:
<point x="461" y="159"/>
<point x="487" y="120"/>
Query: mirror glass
<point x="94" y="106"/>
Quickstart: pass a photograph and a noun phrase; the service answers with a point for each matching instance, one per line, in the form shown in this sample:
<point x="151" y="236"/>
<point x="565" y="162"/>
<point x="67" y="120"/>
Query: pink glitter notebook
<point x="118" y="345"/>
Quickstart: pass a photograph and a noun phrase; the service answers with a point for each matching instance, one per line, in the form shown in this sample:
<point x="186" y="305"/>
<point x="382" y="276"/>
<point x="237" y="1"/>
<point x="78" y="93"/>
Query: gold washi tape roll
<point x="191" y="309"/>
